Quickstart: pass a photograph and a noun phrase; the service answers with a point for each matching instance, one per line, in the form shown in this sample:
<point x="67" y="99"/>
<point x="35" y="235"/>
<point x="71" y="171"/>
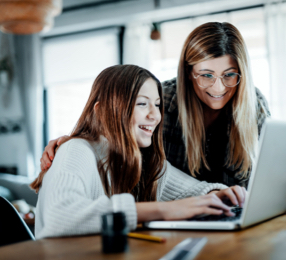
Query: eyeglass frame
<point x="221" y="77"/>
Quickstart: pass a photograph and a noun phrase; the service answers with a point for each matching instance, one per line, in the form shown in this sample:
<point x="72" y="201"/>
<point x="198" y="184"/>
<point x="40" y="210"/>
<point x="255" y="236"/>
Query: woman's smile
<point x="217" y="97"/>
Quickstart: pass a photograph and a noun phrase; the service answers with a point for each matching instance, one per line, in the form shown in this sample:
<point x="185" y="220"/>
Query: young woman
<point x="213" y="113"/>
<point x="114" y="161"/>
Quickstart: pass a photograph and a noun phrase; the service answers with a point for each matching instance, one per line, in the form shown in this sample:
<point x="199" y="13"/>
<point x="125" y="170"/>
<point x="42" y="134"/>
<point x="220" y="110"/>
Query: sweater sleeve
<point x="175" y="184"/>
<point x="72" y="200"/>
<point x="262" y="110"/>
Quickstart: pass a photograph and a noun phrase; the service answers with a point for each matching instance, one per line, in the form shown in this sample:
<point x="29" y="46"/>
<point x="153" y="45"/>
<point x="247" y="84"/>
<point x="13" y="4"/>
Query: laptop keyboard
<point x="236" y="210"/>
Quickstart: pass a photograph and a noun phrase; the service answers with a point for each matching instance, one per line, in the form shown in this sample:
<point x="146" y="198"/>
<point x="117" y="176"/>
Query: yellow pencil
<point x="147" y="237"/>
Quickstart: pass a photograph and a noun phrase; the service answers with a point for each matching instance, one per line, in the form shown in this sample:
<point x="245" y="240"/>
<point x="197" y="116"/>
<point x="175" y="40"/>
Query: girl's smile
<point x="146" y="114"/>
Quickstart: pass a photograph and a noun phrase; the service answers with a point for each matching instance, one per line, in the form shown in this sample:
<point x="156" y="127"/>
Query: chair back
<point x="13" y="228"/>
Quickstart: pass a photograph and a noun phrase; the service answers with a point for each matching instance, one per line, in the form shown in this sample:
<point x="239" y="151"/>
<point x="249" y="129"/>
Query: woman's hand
<point x="235" y="194"/>
<point x="49" y="152"/>
<point x="182" y="209"/>
<point x="190" y="207"/>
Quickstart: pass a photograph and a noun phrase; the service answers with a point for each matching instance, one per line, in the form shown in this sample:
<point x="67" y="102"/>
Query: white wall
<point x="14" y="147"/>
<point x="24" y="107"/>
<point x="29" y="68"/>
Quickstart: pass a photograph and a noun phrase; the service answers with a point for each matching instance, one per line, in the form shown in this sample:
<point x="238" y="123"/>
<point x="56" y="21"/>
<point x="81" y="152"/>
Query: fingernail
<point x="51" y="158"/>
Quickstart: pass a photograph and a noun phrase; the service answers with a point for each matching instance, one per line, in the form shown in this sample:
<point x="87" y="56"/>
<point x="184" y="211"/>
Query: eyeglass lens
<point x="208" y="80"/>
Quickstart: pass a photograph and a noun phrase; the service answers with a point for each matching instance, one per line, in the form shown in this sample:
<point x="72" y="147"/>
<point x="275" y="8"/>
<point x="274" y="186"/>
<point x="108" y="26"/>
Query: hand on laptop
<point x="190" y="207"/>
<point x="234" y="195"/>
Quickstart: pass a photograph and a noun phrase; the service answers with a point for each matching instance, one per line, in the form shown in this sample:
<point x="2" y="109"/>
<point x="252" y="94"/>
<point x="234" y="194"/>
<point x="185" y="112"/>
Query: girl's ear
<point x="95" y="106"/>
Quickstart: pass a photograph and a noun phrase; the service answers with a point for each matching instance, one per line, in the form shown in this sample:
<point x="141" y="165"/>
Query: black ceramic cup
<point x="114" y="232"/>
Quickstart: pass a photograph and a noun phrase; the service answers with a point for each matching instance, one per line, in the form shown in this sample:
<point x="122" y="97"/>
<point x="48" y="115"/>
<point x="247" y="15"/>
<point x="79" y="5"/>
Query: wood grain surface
<point x="263" y="241"/>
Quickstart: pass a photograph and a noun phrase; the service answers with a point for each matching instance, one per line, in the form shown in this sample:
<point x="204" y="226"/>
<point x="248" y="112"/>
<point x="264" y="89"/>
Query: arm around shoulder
<point x="72" y="199"/>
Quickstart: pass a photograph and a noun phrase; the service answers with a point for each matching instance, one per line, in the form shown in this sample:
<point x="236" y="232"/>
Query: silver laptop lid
<point x="267" y="184"/>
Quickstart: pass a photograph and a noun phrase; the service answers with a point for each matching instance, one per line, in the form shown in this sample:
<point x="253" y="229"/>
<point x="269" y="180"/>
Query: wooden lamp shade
<point x="28" y="16"/>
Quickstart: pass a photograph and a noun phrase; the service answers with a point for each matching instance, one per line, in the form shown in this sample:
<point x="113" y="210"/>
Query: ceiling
<point x="77" y="4"/>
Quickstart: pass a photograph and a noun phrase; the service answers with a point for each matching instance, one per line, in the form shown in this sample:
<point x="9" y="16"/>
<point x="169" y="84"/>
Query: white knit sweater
<point x="72" y="199"/>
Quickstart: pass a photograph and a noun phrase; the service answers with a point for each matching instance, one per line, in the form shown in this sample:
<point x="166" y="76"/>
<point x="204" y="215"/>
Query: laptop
<point x="266" y="197"/>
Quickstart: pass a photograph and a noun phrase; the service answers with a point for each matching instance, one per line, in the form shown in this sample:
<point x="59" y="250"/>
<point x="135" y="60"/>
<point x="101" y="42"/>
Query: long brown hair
<point x="209" y="41"/>
<point x="129" y="169"/>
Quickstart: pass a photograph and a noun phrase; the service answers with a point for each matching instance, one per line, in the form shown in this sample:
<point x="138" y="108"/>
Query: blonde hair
<point x="209" y="41"/>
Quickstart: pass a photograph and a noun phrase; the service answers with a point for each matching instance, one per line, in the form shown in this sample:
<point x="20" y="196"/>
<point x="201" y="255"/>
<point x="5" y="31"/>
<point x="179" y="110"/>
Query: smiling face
<point x="146" y="115"/>
<point x="218" y="95"/>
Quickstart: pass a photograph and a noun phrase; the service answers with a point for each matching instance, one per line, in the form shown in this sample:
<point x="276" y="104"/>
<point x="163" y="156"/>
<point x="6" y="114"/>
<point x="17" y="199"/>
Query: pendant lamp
<point x="28" y="16"/>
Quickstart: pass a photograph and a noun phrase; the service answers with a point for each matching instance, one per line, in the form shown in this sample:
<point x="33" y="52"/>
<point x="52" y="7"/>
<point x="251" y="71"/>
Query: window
<point x="65" y="105"/>
<point x="71" y="63"/>
<point x="165" y="53"/>
<point x="252" y="27"/>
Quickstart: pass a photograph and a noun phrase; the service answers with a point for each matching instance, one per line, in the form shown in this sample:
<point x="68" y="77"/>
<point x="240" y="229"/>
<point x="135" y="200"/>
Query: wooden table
<point x="264" y="241"/>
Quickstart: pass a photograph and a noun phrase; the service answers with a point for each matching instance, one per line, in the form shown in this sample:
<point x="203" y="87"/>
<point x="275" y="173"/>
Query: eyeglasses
<point x="207" y="80"/>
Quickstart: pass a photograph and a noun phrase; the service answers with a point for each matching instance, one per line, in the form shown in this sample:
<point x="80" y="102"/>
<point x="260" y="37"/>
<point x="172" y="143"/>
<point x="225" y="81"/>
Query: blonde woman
<point x="213" y="112"/>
